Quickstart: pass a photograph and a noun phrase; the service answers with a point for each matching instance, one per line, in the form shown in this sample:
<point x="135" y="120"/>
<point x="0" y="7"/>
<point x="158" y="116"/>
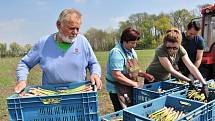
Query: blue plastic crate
<point x="195" y="110"/>
<point x="210" y="105"/>
<point x="149" y="91"/>
<point x="211" y="108"/>
<point x="67" y="107"/>
<point x="112" y="116"/>
<point x="209" y="81"/>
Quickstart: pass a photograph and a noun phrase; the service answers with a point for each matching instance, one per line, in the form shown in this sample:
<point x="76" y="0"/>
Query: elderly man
<point x="63" y="56"/>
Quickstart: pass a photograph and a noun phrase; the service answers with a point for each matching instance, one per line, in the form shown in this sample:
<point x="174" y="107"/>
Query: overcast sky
<point x="25" y="21"/>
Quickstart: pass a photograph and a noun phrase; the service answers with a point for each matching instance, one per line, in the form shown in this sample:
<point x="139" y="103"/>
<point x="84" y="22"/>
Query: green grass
<point x="8" y="79"/>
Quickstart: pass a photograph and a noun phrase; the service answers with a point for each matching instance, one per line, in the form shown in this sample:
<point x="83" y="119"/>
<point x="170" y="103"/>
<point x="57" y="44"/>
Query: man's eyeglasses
<point x="173" y="48"/>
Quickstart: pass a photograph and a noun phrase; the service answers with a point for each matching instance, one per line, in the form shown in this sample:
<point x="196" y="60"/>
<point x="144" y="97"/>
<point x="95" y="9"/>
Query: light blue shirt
<point x="117" y="61"/>
<point x="59" y="66"/>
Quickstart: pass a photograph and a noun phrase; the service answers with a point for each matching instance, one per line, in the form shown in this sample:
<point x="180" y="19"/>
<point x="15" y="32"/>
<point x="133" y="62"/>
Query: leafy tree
<point x="101" y="40"/>
<point x="27" y="47"/>
<point x="162" y="23"/>
<point x="3" y="49"/>
<point x="122" y="25"/>
<point x="181" y="18"/>
<point x="15" y="49"/>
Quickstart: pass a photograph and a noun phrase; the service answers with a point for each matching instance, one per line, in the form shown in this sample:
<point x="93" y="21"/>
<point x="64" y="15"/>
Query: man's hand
<point x="94" y="78"/>
<point x="147" y="76"/>
<point x="205" y="90"/>
<point x="20" y="87"/>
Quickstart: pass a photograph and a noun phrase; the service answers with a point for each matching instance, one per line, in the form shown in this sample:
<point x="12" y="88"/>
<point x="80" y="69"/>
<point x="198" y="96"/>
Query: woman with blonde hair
<point x="166" y="59"/>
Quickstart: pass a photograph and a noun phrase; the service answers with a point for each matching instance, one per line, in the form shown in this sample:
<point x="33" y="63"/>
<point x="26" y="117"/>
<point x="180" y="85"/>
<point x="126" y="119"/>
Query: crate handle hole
<point x="147" y="105"/>
<point x="182" y="93"/>
<point x="148" y="86"/>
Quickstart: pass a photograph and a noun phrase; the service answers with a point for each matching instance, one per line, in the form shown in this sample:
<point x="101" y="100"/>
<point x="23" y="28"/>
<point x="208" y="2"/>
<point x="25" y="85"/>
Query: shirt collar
<point x="129" y="52"/>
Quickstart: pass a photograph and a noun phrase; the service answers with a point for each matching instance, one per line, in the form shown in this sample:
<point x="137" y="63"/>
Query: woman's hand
<point x="147" y="76"/>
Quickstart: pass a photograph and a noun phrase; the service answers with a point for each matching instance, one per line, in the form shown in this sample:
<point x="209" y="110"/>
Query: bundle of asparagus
<point x="39" y="92"/>
<point x="211" y="85"/>
<point x="166" y="114"/>
<point x="195" y="95"/>
<point x="180" y="82"/>
<point x="43" y="92"/>
<point x="82" y="88"/>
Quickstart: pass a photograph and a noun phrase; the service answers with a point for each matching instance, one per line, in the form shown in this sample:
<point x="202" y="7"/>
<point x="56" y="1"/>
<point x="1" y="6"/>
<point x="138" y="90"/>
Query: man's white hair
<point x="65" y="15"/>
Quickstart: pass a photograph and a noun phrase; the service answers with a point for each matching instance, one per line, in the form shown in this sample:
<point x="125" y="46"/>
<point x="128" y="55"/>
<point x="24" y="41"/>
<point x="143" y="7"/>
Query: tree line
<point x="151" y="26"/>
<point x="14" y="50"/>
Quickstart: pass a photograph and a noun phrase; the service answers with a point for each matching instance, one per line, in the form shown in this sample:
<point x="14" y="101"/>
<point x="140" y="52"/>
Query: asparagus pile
<point x="166" y="114"/>
<point x="212" y="85"/>
<point x="180" y="82"/>
<point x="195" y="95"/>
<point x="44" y="92"/>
